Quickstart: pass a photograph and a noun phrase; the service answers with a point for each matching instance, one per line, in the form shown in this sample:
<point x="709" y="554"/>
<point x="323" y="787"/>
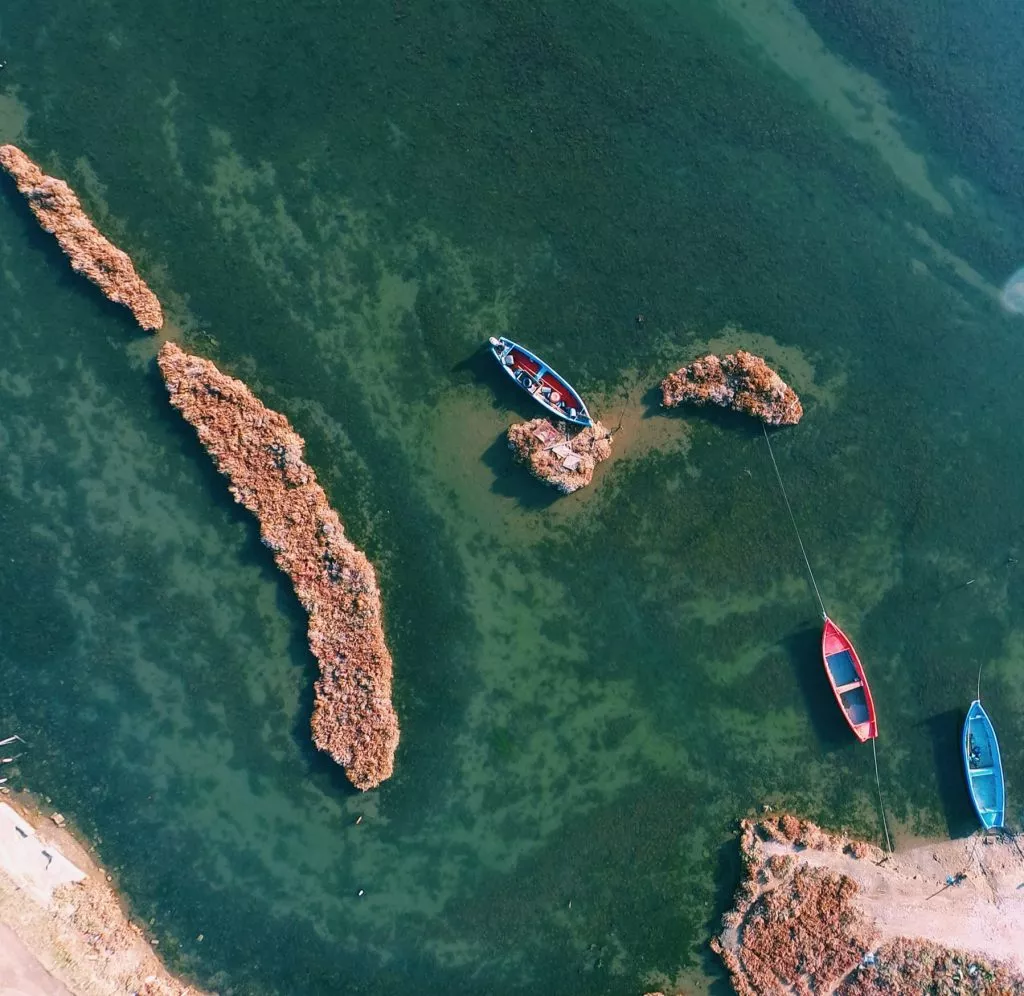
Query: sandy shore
<point x="818" y="912"/>
<point x="63" y="931"/>
<point x="983" y="914"/>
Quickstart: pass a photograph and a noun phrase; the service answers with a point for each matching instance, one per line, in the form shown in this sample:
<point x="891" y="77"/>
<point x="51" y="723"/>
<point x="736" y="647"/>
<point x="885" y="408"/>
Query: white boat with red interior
<point x="547" y="387"/>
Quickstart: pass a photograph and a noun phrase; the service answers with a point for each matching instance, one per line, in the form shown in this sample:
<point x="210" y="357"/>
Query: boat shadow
<point x="803" y="649"/>
<point x="944" y="731"/>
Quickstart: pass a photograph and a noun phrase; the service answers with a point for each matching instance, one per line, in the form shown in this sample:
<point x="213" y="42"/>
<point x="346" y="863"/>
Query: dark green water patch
<point x="342" y="204"/>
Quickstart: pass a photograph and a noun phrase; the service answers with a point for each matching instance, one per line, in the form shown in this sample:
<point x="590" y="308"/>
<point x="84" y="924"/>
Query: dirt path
<point x="906" y="896"/>
<point x="20" y="971"/>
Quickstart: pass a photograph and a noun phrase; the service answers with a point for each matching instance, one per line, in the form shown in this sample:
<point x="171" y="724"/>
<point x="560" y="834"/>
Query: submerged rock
<point x="741" y="381"/>
<point x="261" y="455"/>
<point x="565" y="461"/>
<point x="60" y="213"/>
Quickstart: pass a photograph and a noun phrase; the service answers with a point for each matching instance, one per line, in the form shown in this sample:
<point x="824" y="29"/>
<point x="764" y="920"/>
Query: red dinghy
<point x="846" y="675"/>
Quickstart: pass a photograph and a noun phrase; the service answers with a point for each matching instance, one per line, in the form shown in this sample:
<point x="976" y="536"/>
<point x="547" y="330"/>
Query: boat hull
<point x="549" y="389"/>
<point x="849" y="683"/>
<point x="983" y="767"/>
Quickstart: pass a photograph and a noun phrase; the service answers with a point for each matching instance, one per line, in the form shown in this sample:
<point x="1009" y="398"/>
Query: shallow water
<point x="339" y="205"/>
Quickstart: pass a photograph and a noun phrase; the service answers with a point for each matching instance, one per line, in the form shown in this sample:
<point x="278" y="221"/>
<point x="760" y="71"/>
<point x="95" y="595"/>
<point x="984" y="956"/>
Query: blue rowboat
<point x="983" y="767"/>
<point x="549" y="389"/>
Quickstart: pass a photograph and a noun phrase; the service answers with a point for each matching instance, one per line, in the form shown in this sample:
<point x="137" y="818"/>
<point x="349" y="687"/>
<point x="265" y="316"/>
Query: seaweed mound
<point x="740" y="381"/>
<point x="261" y="455"/>
<point x="564" y="461"/>
<point x="818" y="912"/>
<point x="60" y="213"/>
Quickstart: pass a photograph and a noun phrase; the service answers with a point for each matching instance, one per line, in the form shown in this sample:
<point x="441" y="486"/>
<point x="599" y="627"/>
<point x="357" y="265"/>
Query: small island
<point x="261" y="455"/>
<point x="740" y="381"/>
<point x="564" y="459"/>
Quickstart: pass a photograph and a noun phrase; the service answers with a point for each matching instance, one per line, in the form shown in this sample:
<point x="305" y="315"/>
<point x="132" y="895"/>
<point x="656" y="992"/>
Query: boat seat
<point x="842" y="689"/>
<point x="982" y="771"/>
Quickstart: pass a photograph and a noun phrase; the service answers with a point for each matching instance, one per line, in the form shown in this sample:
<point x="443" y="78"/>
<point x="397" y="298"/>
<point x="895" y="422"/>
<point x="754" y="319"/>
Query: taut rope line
<point x="824" y="615"/>
<point x="980" y="666"/>
<point x="881" y="805"/>
<point x="792" y="518"/>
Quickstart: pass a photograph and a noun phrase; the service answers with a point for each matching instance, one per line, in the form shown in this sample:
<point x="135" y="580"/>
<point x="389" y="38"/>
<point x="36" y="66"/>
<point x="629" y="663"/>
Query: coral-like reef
<point x="259" y="452"/>
<point x="797" y="925"/>
<point x="740" y="381"/>
<point x="60" y="213"/>
<point x="564" y="460"/>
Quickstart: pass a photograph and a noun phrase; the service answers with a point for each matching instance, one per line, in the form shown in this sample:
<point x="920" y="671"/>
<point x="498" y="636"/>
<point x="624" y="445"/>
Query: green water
<point x="338" y="203"/>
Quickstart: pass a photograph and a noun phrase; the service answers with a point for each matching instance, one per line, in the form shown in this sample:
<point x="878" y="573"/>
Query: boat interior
<point x="842" y="669"/>
<point x="980" y="755"/>
<point x="534" y="376"/>
<point x="981" y="763"/>
<point x="855" y="705"/>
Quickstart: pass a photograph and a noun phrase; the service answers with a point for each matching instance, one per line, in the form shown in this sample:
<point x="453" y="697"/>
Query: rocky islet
<point x="740" y="381"/>
<point x="60" y="213"/>
<point x="563" y="459"/>
<point x="261" y="455"/>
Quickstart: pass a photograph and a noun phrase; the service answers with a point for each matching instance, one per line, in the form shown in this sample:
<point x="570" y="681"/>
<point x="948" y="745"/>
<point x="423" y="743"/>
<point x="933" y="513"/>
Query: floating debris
<point x="259" y="452"/>
<point x="740" y="381"/>
<point x="60" y="213"/>
<point x="565" y="461"/>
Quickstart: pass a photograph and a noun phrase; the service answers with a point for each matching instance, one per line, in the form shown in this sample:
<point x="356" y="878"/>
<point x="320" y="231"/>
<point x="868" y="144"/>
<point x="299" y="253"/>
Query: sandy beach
<point x="820" y="912"/>
<point x="63" y="931"/>
<point x="907" y="895"/>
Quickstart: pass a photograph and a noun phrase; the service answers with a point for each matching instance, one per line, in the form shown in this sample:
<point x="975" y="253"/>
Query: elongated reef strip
<point x="60" y="213"/>
<point x="259" y="452"/>
<point x="820" y="913"/>
<point x="741" y="381"/>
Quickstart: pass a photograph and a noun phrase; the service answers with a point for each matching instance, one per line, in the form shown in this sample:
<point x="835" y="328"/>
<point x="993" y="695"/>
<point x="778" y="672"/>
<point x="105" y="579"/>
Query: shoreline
<point x="826" y="910"/>
<point x="63" y="934"/>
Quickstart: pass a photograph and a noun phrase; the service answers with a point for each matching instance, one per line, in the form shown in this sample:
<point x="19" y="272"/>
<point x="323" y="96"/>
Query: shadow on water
<point x="803" y="648"/>
<point x="944" y="731"/>
<point x="651" y="401"/>
<point x="728" y="872"/>
<point x="724" y="419"/>
<point x="513" y="480"/>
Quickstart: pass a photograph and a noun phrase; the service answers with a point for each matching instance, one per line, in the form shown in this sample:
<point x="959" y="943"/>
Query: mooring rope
<point x="824" y="615"/>
<point x="792" y="518"/>
<point x="980" y="666"/>
<point x="881" y="805"/>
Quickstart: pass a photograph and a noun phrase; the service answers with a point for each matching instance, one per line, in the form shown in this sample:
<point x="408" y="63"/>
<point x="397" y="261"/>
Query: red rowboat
<point x="846" y="675"/>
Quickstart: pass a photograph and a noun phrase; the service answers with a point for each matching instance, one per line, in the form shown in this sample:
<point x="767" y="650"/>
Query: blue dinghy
<point x="983" y="767"/>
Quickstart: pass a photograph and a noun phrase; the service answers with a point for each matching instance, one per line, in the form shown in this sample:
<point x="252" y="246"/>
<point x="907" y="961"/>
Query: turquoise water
<point x="338" y="204"/>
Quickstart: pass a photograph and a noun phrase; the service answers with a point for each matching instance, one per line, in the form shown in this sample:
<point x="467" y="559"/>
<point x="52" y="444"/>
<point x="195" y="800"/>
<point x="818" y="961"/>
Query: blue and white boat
<point x="983" y="767"/>
<point x="548" y="388"/>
